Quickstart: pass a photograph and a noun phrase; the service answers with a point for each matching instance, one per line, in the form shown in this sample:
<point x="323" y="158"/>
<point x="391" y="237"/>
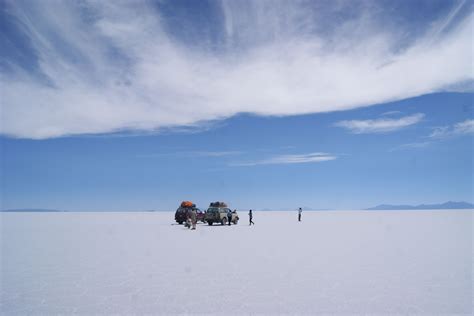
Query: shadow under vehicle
<point x="217" y="213"/>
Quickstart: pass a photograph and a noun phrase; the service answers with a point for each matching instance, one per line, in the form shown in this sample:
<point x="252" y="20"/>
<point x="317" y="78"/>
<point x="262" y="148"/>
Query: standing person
<point x="299" y="214"/>
<point x="187" y="223"/>
<point x="229" y="216"/>
<point x="193" y="217"/>
<point x="250" y="218"/>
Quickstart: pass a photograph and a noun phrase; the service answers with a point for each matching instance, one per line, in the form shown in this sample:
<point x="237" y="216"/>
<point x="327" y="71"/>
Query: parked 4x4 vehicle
<point x="181" y="214"/>
<point x="217" y="213"/>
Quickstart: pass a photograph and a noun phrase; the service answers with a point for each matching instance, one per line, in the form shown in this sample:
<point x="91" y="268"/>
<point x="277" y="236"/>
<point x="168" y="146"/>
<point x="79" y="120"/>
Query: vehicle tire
<point x="224" y="221"/>
<point x="235" y="222"/>
<point x="210" y="223"/>
<point x="180" y="222"/>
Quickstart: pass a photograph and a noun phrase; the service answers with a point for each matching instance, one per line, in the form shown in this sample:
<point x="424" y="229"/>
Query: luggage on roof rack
<point x="218" y="204"/>
<point x="187" y="204"/>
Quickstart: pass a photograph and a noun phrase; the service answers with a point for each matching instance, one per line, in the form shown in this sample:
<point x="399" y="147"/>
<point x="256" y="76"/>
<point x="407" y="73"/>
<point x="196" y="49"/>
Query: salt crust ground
<point x="342" y="262"/>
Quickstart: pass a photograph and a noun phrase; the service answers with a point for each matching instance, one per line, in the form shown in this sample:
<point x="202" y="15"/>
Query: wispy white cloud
<point x="439" y="134"/>
<point x="113" y="65"/>
<point x="289" y="159"/>
<point x="415" y="145"/>
<point x="193" y="154"/>
<point x="461" y="128"/>
<point x="215" y="153"/>
<point x="390" y="113"/>
<point x="381" y="125"/>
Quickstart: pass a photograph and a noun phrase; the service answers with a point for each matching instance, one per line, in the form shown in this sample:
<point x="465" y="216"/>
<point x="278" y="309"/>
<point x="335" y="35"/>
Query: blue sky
<point x="135" y="106"/>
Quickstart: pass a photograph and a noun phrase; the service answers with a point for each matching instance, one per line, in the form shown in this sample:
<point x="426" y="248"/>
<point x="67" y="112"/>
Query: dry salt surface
<point x="342" y="262"/>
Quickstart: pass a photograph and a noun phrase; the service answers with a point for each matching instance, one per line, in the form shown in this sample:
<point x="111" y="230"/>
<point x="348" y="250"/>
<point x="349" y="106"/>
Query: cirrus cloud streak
<point x="289" y="159"/>
<point x="462" y="128"/>
<point x="381" y="125"/>
<point x="102" y="67"/>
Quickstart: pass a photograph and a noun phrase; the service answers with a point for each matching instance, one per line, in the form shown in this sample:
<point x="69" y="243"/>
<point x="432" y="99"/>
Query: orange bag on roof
<point x="187" y="204"/>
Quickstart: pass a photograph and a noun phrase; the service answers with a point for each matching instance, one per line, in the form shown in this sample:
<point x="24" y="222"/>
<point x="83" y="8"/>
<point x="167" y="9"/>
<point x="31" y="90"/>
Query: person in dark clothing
<point x="250" y="218"/>
<point x="299" y="214"/>
<point x="229" y="216"/>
